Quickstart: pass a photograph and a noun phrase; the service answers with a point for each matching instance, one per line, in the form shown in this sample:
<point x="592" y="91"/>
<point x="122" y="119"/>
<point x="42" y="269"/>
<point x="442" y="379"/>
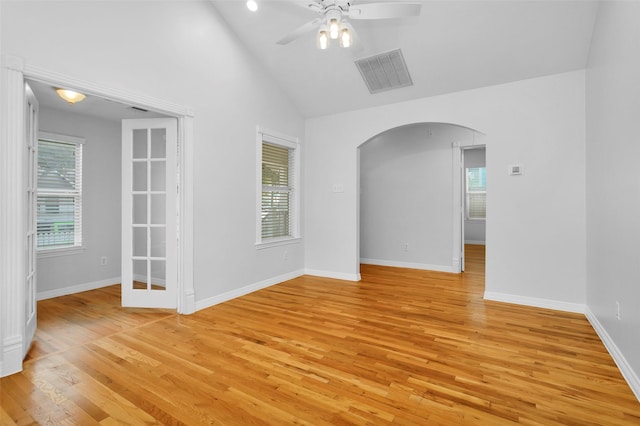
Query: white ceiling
<point x="453" y="45"/>
<point x="92" y="106"/>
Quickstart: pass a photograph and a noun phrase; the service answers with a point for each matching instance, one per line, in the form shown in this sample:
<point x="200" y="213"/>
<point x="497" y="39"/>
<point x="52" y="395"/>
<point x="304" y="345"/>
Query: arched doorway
<point x="411" y="196"/>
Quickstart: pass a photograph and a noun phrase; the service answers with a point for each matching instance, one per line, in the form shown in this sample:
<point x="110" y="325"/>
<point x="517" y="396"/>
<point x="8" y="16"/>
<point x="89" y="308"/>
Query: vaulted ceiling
<point x="453" y="45"/>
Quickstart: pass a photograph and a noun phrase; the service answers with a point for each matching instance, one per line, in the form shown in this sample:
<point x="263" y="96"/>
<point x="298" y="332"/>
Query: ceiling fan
<point x="333" y="22"/>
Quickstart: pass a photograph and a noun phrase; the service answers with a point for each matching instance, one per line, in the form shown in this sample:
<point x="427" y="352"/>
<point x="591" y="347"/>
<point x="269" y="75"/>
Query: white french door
<point x="31" y="183"/>
<point x="149" y="213"/>
<point x="463" y="197"/>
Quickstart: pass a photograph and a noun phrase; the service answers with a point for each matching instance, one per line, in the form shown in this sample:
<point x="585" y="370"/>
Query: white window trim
<point x="43" y="252"/>
<point x="59" y="251"/>
<point x="276" y="138"/>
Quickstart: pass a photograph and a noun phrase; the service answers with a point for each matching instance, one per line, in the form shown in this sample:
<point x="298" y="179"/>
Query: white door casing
<point x="457" y="210"/>
<point x="12" y="216"/>
<point x="459" y="179"/>
<point x="149" y="213"/>
<point x="461" y="194"/>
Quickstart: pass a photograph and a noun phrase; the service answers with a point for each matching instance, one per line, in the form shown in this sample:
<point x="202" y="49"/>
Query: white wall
<point x="186" y="55"/>
<point x="613" y="187"/>
<point x="536" y="222"/>
<point x="100" y="207"/>
<point x="475" y="230"/>
<point x="406" y="196"/>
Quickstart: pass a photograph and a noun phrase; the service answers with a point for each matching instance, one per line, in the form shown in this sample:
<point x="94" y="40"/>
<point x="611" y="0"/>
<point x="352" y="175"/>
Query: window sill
<point x="277" y="242"/>
<point x="63" y="251"/>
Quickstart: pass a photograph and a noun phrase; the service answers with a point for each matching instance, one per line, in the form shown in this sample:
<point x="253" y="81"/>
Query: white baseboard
<point x="398" y="264"/>
<point x="627" y="372"/>
<point x="77" y="288"/>
<point x="188" y="303"/>
<point x="11" y="356"/>
<point x="625" y="368"/>
<point x="211" y="301"/>
<point x="480" y="243"/>
<point x="577" y="308"/>
<point x="334" y="275"/>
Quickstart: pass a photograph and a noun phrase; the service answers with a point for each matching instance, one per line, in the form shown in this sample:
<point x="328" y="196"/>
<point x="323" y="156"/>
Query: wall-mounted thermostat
<point x="515" y="169"/>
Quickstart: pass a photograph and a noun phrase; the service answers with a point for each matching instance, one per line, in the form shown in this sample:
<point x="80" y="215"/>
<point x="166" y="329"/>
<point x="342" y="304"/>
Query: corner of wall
<point x="623" y="365"/>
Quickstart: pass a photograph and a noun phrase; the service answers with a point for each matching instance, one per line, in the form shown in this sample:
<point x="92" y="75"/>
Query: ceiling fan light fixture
<point x="334" y="28"/>
<point x="345" y="37"/>
<point x="70" y="96"/>
<point x="323" y="39"/>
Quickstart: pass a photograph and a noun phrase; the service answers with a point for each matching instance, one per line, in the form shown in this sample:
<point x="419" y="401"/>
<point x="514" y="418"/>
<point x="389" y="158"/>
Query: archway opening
<point x="411" y="200"/>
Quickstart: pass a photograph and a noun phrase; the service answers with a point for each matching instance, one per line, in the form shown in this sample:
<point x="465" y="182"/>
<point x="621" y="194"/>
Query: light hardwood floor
<point x="400" y="347"/>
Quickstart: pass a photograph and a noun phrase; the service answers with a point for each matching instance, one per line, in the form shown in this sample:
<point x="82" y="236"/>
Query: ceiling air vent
<point x="384" y="72"/>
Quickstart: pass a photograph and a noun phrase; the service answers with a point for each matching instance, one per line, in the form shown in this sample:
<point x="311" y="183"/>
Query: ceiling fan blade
<point x="312" y="5"/>
<point x="384" y="10"/>
<point x="300" y="31"/>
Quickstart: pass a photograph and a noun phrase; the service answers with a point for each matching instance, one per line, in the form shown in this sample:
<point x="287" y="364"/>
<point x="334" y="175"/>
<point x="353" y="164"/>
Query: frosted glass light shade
<point x="334" y="28"/>
<point x="345" y="37"/>
<point x="323" y="39"/>
<point x="70" y="96"/>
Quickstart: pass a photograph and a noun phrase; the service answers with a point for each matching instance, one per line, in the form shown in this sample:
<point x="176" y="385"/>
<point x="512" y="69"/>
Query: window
<point x="476" y="191"/>
<point x="59" y="205"/>
<point x="277" y="220"/>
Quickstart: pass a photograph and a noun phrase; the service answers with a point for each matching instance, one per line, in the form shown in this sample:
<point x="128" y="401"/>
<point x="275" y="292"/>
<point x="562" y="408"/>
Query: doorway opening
<point x="410" y="208"/>
<point x="94" y="261"/>
<point x="79" y="243"/>
<point x="14" y="195"/>
<point x="474" y="202"/>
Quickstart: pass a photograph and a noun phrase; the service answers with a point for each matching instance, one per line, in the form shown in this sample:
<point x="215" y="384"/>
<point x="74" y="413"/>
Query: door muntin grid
<point x="149" y="224"/>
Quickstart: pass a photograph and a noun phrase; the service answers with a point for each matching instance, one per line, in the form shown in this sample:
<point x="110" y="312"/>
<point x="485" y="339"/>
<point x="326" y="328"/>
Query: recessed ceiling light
<point x="252" y="5"/>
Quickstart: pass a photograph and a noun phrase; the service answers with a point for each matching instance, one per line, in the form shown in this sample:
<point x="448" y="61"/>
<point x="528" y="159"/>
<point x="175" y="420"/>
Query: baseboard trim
<point x="480" y="243"/>
<point x="577" y="308"/>
<point x="77" y="288"/>
<point x="625" y="368"/>
<point x="12" y="355"/>
<point x="229" y="295"/>
<point x="189" y="303"/>
<point x="627" y="372"/>
<point x="397" y="264"/>
<point x="333" y="275"/>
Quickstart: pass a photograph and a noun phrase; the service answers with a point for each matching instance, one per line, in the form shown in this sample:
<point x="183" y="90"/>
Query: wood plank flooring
<point x="400" y="347"/>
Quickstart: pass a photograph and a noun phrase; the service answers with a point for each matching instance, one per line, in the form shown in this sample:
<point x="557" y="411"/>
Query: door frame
<point x="458" y="149"/>
<point x="13" y="72"/>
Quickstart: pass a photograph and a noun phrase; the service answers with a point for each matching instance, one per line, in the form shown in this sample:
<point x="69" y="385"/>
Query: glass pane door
<point x="31" y="181"/>
<point x="149" y="213"/>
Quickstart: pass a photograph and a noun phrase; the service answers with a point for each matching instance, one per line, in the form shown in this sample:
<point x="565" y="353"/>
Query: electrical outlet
<point x="405" y="247"/>
<point x="618" y="316"/>
<point x="103" y="260"/>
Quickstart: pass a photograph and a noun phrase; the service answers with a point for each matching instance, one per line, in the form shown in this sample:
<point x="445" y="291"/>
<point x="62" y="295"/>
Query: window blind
<point x="476" y="193"/>
<point x="59" y="203"/>
<point x="277" y="190"/>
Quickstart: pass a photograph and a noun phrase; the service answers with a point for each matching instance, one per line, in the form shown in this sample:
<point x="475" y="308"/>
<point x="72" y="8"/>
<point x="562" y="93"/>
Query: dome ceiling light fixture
<point x="70" y="96"/>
